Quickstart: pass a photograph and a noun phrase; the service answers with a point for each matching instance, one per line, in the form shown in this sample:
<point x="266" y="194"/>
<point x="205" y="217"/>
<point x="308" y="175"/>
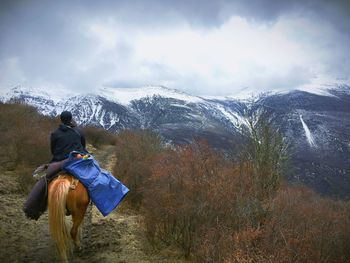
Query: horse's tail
<point x="58" y="191"/>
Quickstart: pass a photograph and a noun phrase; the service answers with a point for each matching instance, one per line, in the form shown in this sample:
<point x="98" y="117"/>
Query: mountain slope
<point x="179" y="117"/>
<point x="318" y="130"/>
<point x="317" y="124"/>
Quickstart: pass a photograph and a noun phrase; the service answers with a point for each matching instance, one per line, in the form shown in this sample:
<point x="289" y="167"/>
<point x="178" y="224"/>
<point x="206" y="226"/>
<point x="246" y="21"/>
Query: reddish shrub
<point x="191" y="190"/>
<point x="98" y="136"/>
<point x="24" y="139"/>
<point x="304" y="227"/>
<point x="219" y="212"/>
<point x="211" y="210"/>
<point x="135" y="153"/>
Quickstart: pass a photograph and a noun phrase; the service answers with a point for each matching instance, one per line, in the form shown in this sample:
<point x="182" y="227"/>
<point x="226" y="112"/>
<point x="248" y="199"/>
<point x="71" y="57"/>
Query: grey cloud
<point x="46" y="38"/>
<point x="216" y="12"/>
<point x="197" y="12"/>
<point x="161" y="74"/>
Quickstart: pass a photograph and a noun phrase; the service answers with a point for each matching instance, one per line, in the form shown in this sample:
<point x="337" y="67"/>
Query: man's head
<point x="66" y="117"/>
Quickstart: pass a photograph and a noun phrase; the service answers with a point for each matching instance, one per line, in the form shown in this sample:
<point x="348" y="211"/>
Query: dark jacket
<point x="64" y="140"/>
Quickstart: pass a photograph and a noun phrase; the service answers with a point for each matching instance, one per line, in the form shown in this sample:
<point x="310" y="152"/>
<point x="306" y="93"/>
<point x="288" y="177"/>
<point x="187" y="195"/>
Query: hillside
<point x="315" y="123"/>
<point x="186" y="203"/>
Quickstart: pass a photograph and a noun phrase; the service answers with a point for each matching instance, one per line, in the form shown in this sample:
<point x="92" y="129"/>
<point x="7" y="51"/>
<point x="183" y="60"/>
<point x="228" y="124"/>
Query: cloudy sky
<point x="202" y="47"/>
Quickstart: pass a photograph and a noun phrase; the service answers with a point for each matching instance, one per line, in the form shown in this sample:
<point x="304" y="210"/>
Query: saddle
<point x="36" y="203"/>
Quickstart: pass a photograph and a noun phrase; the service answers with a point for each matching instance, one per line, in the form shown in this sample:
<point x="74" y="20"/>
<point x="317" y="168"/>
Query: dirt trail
<point x="119" y="237"/>
<point x="21" y="240"/>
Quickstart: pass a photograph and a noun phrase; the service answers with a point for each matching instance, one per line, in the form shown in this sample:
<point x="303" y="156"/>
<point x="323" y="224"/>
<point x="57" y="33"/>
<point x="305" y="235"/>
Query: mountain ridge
<point x="317" y="125"/>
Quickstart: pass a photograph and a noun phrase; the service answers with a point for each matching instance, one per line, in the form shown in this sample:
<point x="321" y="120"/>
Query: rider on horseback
<point x="65" y="139"/>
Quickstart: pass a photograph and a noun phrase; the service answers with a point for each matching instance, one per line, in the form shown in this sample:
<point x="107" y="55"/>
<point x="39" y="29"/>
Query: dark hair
<point x="66" y="117"/>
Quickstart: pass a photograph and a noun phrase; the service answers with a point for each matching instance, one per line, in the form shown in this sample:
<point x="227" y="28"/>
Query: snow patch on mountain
<point x="124" y="96"/>
<point x="323" y="86"/>
<point x="180" y="106"/>
<point x="321" y="91"/>
<point x="248" y="96"/>
<point x="233" y="117"/>
<point x="113" y="121"/>
<point x="54" y="94"/>
<point x="308" y="133"/>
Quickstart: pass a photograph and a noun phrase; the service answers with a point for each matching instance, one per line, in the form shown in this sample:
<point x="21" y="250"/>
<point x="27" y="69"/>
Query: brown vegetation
<point x="135" y="152"/>
<point x="218" y="211"/>
<point x="98" y="137"/>
<point x="24" y="140"/>
<point x="191" y="197"/>
<point x="303" y="227"/>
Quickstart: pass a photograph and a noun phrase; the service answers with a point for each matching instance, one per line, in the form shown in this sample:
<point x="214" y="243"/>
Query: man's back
<point x="64" y="140"/>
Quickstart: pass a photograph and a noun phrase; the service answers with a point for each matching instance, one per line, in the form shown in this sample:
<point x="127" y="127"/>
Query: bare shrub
<point x="98" y="136"/>
<point x="191" y="190"/>
<point x="24" y="140"/>
<point x="216" y="211"/>
<point x="304" y="227"/>
<point x="135" y="153"/>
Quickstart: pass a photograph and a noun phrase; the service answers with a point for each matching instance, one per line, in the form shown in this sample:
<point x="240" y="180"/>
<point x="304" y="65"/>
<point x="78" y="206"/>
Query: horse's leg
<point x="77" y="218"/>
<point x="78" y="201"/>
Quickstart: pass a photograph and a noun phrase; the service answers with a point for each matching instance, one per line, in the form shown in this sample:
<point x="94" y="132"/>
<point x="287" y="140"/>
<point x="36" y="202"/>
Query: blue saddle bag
<point x="105" y="191"/>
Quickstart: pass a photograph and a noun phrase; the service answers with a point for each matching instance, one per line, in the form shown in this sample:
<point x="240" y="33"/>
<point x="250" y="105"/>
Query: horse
<point x="66" y="196"/>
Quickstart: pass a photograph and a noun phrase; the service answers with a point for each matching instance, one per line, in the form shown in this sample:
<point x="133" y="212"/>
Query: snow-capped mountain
<point x="317" y="124"/>
<point x="318" y="127"/>
<point x="179" y="117"/>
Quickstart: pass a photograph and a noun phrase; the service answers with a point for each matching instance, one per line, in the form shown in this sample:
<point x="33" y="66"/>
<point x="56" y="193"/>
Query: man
<point x="65" y="139"/>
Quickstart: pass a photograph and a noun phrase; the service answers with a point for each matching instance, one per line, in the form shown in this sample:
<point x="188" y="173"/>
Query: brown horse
<point x="66" y="196"/>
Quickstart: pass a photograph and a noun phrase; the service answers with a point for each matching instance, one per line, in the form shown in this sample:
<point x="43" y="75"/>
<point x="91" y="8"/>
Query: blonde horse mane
<point x="57" y="211"/>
